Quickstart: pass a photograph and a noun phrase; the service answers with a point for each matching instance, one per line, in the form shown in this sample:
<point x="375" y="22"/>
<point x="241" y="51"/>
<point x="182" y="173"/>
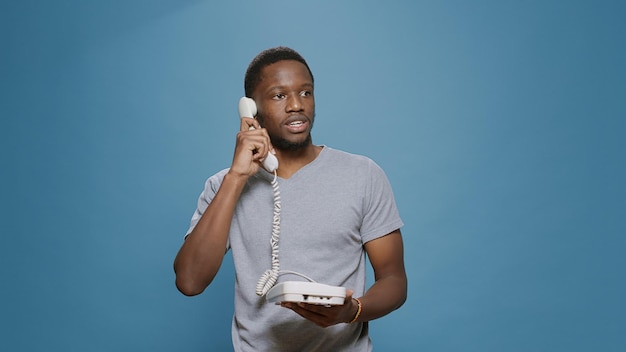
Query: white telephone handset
<point x="247" y="108"/>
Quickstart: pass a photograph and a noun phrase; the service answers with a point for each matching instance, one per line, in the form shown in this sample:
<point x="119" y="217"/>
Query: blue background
<point x="499" y="123"/>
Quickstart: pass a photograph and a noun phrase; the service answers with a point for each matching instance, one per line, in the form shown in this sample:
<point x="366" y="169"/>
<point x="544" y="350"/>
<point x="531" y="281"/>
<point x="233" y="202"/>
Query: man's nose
<point x="294" y="103"/>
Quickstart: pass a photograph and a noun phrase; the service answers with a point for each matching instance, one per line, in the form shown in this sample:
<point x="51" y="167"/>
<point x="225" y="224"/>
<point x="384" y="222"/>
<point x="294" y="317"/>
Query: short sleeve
<point x="381" y="215"/>
<point x="211" y="186"/>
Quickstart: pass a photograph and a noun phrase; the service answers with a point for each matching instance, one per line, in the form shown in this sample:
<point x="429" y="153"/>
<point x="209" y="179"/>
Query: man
<point x="335" y="208"/>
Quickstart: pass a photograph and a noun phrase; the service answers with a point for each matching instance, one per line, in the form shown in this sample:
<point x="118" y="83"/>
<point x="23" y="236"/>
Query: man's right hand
<point x="252" y="146"/>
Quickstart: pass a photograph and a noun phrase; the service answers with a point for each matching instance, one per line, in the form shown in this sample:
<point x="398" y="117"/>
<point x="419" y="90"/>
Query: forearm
<point x="384" y="296"/>
<point x="200" y="256"/>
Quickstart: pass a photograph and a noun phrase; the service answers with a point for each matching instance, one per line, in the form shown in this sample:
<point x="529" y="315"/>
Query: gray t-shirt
<point x="329" y="209"/>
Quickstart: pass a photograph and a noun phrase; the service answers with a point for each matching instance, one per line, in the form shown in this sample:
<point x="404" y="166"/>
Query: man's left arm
<point x="389" y="291"/>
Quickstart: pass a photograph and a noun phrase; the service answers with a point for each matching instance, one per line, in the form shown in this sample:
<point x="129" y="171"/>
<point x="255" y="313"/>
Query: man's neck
<point x="290" y="161"/>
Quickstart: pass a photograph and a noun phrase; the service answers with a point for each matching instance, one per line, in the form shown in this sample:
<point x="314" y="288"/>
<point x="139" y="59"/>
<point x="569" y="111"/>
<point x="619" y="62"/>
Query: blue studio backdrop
<point x="500" y="125"/>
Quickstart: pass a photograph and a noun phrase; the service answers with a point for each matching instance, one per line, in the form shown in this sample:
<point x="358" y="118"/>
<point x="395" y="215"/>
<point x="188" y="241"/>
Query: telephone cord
<point x="269" y="278"/>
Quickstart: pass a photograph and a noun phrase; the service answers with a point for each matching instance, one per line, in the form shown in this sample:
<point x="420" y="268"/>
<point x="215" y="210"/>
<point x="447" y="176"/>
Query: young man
<point x="335" y="208"/>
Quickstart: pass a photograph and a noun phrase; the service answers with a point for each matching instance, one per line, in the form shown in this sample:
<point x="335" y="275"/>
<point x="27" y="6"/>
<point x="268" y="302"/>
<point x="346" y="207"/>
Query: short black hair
<point x="266" y="58"/>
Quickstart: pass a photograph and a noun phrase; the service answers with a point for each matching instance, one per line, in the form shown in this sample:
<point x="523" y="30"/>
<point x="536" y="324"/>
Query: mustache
<point x="261" y="119"/>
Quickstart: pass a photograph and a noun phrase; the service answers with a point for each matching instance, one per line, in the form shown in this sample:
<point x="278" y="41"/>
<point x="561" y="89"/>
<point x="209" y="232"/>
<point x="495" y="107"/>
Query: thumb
<point x="348" y="298"/>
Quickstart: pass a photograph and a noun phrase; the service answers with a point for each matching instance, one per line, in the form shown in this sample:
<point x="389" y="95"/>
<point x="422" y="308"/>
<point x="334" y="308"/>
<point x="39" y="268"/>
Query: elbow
<point x="402" y="300"/>
<point x="186" y="282"/>
<point x="188" y="287"/>
<point x="402" y="293"/>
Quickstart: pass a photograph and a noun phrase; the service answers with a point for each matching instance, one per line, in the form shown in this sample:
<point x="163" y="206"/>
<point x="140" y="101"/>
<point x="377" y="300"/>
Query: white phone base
<point x="306" y="292"/>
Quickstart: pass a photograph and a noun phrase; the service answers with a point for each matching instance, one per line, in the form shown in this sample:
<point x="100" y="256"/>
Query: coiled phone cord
<point x="269" y="278"/>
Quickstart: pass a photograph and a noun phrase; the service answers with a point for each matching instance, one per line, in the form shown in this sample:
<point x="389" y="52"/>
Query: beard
<point x="281" y="143"/>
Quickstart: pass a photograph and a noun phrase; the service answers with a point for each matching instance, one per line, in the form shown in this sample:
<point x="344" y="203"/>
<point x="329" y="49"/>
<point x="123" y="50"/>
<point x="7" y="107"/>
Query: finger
<point x="318" y="319"/>
<point x="349" y="294"/>
<point x="262" y="144"/>
<point x="259" y="149"/>
<point x="247" y="123"/>
<point x="249" y="151"/>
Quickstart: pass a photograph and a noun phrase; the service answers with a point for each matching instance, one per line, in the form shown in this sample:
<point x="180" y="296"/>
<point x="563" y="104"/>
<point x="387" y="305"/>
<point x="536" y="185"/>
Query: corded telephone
<point x="289" y="291"/>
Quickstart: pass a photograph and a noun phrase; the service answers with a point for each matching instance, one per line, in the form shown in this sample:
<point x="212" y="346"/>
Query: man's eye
<point x="305" y="93"/>
<point x="279" y="96"/>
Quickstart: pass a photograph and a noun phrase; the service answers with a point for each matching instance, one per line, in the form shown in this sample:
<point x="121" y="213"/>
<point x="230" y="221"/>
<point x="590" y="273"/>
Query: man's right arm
<point x="201" y="255"/>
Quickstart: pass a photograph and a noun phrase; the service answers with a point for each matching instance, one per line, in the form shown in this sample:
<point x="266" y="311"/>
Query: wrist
<point x="359" y="308"/>
<point x="236" y="177"/>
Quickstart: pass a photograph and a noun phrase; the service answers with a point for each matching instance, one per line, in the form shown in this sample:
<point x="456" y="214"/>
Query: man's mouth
<point x="296" y="124"/>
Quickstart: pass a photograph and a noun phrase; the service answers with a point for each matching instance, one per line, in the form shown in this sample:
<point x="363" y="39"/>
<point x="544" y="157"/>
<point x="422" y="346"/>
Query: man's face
<point x="286" y="105"/>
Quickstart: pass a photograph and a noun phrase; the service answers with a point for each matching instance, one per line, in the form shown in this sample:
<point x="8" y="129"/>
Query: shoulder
<point x="219" y="176"/>
<point x="355" y="164"/>
<point x="214" y="181"/>
<point x="347" y="158"/>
